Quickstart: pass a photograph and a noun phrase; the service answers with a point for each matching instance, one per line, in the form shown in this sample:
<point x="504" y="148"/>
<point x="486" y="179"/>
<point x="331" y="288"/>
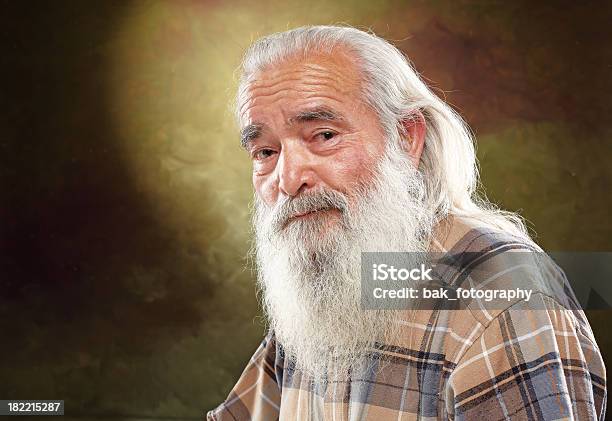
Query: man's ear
<point x="414" y="127"/>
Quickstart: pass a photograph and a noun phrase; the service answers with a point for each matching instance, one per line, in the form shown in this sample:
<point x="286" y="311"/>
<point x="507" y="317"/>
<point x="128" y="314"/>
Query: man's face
<point x="307" y="128"/>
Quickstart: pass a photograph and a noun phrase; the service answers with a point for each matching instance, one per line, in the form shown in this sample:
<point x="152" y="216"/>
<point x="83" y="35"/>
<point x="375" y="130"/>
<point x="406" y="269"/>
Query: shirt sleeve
<point x="536" y="364"/>
<point x="256" y="395"/>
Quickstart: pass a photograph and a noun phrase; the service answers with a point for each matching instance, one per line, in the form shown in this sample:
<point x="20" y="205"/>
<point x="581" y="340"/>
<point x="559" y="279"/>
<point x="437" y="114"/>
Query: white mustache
<point x="320" y="200"/>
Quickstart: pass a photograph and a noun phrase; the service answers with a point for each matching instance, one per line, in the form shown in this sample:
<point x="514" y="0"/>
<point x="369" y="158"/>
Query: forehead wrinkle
<point x="313" y="91"/>
<point x="312" y="86"/>
<point x="272" y="79"/>
<point x="304" y="86"/>
<point x="307" y="71"/>
<point x="306" y="91"/>
<point x="269" y="82"/>
<point x="330" y="67"/>
<point x="305" y="81"/>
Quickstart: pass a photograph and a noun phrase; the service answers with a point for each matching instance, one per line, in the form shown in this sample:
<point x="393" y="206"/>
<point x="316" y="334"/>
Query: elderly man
<point x="352" y="153"/>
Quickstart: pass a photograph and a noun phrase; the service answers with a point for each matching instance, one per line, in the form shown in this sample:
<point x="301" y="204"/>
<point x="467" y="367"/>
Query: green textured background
<point x="124" y="194"/>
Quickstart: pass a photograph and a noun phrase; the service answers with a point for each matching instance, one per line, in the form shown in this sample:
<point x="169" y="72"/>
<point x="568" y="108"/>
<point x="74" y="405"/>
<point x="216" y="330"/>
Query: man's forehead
<point x="297" y="112"/>
<point x="300" y="83"/>
<point x="338" y="69"/>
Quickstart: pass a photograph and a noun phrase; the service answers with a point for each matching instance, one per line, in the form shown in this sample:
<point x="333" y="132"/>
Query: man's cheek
<point x="344" y="172"/>
<point x="266" y="189"/>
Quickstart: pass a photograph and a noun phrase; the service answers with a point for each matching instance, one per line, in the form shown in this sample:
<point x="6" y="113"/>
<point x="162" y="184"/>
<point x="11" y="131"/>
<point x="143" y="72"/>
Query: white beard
<point x="309" y="269"/>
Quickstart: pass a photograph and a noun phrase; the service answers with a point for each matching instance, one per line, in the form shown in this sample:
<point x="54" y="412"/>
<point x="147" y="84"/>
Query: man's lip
<point x="310" y="212"/>
<point x="299" y="215"/>
<point x="293" y="217"/>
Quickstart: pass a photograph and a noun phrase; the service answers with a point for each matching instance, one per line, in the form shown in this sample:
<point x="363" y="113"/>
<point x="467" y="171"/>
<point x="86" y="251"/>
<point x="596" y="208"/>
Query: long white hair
<point x="395" y="91"/>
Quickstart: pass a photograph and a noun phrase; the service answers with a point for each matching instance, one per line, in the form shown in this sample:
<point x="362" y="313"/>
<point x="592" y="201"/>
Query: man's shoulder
<point x="492" y="270"/>
<point x="464" y="234"/>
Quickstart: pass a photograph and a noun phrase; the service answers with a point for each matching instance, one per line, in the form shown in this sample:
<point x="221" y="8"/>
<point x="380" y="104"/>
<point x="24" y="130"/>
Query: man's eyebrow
<point x="253" y="131"/>
<point x="316" y="114"/>
<point x="250" y="133"/>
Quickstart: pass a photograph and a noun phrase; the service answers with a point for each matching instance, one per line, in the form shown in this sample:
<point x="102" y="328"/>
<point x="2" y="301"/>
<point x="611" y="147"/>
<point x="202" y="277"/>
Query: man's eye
<point x="327" y="135"/>
<point x="263" y="154"/>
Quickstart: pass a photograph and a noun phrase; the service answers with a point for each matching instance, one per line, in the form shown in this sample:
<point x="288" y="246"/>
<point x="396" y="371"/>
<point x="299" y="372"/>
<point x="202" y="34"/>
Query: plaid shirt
<point x="530" y="360"/>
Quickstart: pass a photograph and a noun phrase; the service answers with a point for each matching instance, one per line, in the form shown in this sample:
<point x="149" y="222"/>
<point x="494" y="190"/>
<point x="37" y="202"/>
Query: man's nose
<point x="295" y="172"/>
